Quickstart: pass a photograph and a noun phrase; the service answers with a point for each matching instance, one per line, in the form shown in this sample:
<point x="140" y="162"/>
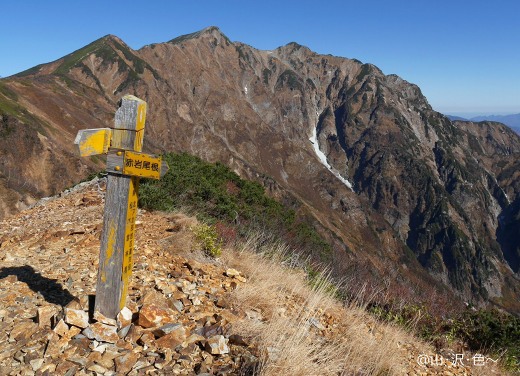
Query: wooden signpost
<point x="125" y="165"/>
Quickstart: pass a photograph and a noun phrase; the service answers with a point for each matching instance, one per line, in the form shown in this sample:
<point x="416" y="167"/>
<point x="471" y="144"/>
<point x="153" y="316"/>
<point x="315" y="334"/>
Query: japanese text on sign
<point x="143" y="165"/>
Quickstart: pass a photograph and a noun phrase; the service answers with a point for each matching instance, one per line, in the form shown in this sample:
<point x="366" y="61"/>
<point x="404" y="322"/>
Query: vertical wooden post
<point x="117" y="239"/>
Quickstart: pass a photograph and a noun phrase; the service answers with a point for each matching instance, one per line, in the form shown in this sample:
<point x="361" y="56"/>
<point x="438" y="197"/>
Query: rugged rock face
<point x="398" y="187"/>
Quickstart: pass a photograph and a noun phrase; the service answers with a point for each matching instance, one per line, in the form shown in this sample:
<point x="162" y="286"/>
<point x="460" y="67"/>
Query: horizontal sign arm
<point x="125" y="162"/>
<point x="93" y="141"/>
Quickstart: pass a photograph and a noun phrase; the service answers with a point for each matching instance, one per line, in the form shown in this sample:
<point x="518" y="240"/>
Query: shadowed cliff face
<point x="396" y="186"/>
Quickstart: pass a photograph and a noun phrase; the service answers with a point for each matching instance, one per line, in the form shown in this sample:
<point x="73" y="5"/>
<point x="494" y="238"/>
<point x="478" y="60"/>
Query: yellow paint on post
<point x="128" y="249"/>
<point x="139" y="127"/>
<point x="93" y="141"/>
<point x="141" y="116"/>
<point x="110" y="248"/>
<point x="143" y="165"/>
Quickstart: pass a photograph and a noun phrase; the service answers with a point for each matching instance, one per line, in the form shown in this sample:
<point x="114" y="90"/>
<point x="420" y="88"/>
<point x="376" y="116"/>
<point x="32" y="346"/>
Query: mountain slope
<point x="512" y="120"/>
<point x="401" y="192"/>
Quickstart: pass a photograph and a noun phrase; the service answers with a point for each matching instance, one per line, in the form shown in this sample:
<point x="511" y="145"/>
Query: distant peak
<point x="296" y="46"/>
<point x="215" y="32"/>
<point x="211" y="29"/>
<point x="208" y="31"/>
<point x="292" y="47"/>
<point x="113" y="38"/>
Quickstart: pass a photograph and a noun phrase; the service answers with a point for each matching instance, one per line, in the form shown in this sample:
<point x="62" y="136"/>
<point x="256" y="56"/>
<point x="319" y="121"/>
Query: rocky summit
<point x="403" y="194"/>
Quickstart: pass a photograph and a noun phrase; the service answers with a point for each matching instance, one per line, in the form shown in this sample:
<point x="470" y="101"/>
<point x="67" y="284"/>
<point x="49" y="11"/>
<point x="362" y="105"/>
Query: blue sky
<point x="464" y="55"/>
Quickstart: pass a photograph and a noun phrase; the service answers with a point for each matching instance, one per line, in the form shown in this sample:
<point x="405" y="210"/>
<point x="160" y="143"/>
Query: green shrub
<point x="496" y="331"/>
<point x="218" y="195"/>
<point x="266" y="74"/>
<point x="7" y="92"/>
<point x="290" y="79"/>
<point x="486" y="331"/>
<point x="208" y="238"/>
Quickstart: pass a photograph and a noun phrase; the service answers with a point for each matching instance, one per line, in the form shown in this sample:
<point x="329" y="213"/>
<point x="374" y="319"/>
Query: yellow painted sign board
<point x="93" y="141"/>
<point x="143" y="165"/>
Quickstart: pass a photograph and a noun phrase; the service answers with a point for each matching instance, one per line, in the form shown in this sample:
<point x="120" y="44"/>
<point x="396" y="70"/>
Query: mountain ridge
<point x="418" y="179"/>
<point x="512" y="120"/>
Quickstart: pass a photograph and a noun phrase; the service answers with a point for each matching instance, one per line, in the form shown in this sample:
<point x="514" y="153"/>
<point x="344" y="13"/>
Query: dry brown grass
<point x="182" y="239"/>
<point x="304" y="331"/>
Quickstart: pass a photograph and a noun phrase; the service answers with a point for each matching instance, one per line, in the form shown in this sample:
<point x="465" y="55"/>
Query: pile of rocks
<point x="184" y="328"/>
<point x="177" y="319"/>
<point x="183" y="332"/>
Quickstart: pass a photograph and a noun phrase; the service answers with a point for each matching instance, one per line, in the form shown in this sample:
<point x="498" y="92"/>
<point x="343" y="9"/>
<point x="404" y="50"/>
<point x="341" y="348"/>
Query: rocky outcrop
<point x="396" y="186"/>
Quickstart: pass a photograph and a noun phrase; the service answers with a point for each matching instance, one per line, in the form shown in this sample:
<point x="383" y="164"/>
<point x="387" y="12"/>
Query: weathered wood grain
<point x="117" y="240"/>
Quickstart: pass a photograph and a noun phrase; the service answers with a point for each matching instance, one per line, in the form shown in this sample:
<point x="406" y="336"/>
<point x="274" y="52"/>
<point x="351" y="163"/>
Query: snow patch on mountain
<point x="323" y="159"/>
